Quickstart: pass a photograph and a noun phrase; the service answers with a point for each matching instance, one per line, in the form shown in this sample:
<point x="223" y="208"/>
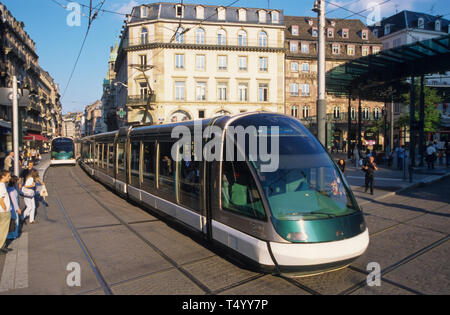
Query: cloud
<point x="126" y="8"/>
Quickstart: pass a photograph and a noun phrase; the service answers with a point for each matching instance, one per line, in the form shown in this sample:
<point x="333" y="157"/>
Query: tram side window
<point x="110" y="159"/>
<point x="121" y="172"/>
<point x="190" y="182"/>
<point x="134" y="164"/>
<point x="105" y="156"/>
<point x="148" y="179"/>
<point x="167" y="172"/>
<point x="239" y="192"/>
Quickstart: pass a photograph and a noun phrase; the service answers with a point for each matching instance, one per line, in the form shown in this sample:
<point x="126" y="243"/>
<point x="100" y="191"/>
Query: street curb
<point x="425" y="182"/>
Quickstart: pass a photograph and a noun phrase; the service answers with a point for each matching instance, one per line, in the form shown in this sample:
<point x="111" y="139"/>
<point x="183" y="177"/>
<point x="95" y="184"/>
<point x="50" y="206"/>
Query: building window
<point x="179" y="10"/>
<point x="315" y="32"/>
<point x="143" y="90"/>
<point x="243" y="63"/>
<point x="221" y="38"/>
<point x="366" y="113"/>
<point x="351" y="50"/>
<point x="201" y="91"/>
<point x="262" y="16"/>
<point x="336" y="49"/>
<point x="365" y="51"/>
<point x="305" y="89"/>
<point x="222" y="63"/>
<point x="294" y="111"/>
<point x="294" y="89"/>
<point x="305" y="48"/>
<point x="275" y="17"/>
<point x="143" y="60"/>
<point x="179" y="37"/>
<point x="242" y="38"/>
<point x="243" y="92"/>
<point x="305" y="67"/>
<point x="387" y="30"/>
<point x="200" y="36"/>
<point x="179" y="90"/>
<point x="345" y="33"/>
<point x="375" y="33"/>
<point x="294" y="66"/>
<point x="295" y="30"/>
<point x="179" y="61"/>
<point x="201" y="62"/>
<point x="421" y="23"/>
<point x="221" y="14"/>
<point x="365" y="35"/>
<point x="337" y="112"/>
<point x="144" y="11"/>
<point x="222" y="91"/>
<point x="144" y="36"/>
<point x="438" y="26"/>
<point x="263" y="92"/>
<point x="242" y="15"/>
<point x="306" y="111"/>
<point x="376" y="49"/>
<point x="376" y="113"/>
<point x="262" y="39"/>
<point x="353" y="113"/>
<point x="293" y="46"/>
<point x="263" y="64"/>
<point x="330" y="33"/>
<point x="200" y="12"/>
<point x="201" y="114"/>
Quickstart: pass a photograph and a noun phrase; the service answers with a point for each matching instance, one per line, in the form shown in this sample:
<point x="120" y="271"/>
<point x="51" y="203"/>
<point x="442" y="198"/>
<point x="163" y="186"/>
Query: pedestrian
<point x="15" y="208"/>
<point x="9" y="162"/>
<point x="356" y="155"/>
<point x="25" y="172"/>
<point x="28" y="193"/>
<point x="341" y="164"/>
<point x="5" y="214"/>
<point x="431" y="155"/>
<point x="370" y="168"/>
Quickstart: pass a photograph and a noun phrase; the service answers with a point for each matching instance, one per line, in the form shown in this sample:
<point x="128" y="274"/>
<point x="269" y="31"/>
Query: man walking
<point x="9" y="162"/>
<point x="5" y="214"/>
<point x="370" y="168"/>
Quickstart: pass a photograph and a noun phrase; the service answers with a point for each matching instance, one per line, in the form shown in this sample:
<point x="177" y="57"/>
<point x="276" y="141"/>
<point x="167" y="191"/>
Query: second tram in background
<point x="301" y="218"/>
<point x="62" y="151"/>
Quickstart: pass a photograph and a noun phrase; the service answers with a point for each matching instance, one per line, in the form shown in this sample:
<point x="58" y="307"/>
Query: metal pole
<point x="422" y="120"/>
<point x="359" y="122"/>
<point x="15" y="110"/>
<point x="349" y="125"/>
<point x="321" y="102"/>
<point x="391" y="136"/>
<point x="412" y="132"/>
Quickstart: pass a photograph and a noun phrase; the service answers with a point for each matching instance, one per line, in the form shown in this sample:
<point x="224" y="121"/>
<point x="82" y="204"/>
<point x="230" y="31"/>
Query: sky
<point x="58" y="44"/>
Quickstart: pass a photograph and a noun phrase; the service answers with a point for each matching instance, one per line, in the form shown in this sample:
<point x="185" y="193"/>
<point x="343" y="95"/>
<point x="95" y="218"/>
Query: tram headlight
<point x="297" y="237"/>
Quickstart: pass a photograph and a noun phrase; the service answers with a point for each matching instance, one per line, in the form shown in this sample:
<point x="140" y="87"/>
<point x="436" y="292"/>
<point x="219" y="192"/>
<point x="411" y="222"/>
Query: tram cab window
<point x="135" y="163"/>
<point x="167" y="172"/>
<point x="110" y="160"/>
<point x="239" y="192"/>
<point x="121" y="169"/>
<point x="190" y="187"/>
<point x="148" y="169"/>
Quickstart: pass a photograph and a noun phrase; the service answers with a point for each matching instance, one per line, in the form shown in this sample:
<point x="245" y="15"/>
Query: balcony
<point x="32" y="126"/>
<point x="139" y="100"/>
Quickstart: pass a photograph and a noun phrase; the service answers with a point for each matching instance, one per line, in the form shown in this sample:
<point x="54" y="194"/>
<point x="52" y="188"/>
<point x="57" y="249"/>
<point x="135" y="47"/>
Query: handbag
<point x="12" y="226"/>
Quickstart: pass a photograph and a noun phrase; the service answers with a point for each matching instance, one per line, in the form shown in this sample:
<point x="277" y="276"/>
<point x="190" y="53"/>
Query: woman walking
<point x="15" y="208"/>
<point x="341" y="164"/>
<point x="28" y="192"/>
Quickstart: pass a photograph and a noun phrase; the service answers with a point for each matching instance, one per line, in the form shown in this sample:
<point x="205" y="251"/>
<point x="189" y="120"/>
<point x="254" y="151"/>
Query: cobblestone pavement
<point x="123" y="249"/>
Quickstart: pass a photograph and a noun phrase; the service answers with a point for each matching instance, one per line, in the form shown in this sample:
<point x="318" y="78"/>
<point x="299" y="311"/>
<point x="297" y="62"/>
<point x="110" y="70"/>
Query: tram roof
<point x="369" y="76"/>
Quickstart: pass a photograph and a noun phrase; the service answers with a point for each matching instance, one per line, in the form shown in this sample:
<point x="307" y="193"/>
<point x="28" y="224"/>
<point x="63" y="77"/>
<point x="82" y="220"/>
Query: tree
<point x="432" y="116"/>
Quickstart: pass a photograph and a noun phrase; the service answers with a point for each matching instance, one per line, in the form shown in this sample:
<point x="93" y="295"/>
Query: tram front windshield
<point x="307" y="184"/>
<point x="62" y="145"/>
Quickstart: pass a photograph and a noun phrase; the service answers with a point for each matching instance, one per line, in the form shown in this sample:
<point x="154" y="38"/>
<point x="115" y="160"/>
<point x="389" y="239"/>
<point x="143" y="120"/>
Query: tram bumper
<point x="311" y="257"/>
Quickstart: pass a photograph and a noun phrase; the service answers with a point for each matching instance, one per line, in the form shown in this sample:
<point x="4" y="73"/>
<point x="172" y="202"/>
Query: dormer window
<point x="275" y="17"/>
<point x="315" y="32"/>
<point x="437" y="26"/>
<point x="333" y="23"/>
<point x="345" y="33"/>
<point x="375" y="33"/>
<point x="221" y="13"/>
<point x="365" y="34"/>
<point x="179" y="11"/>
<point x="310" y="22"/>
<point x="144" y="11"/>
<point x="387" y="29"/>
<point x="242" y="15"/>
<point x="200" y="12"/>
<point x="294" y="30"/>
<point x="421" y="23"/>
<point x="330" y="32"/>
<point x="262" y="16"/>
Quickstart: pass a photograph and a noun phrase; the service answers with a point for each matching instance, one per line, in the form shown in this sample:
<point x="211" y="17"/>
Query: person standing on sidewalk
<point x="431" y="156"/>
<point x="15" y="208"/>
<point x="5" y="214"/>
<point x="370" y="168"/>
<point x="28" y="193"/>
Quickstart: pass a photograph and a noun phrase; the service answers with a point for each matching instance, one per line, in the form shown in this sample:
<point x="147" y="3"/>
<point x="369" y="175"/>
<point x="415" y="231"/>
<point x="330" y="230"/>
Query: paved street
<point x="123" y="249"/>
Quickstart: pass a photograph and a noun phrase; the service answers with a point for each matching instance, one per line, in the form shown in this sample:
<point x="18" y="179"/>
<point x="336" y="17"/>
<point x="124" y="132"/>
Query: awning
<point x="34" y="137"/>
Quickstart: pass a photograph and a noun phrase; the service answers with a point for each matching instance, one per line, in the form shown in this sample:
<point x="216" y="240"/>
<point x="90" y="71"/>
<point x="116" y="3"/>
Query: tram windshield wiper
<point x="321" y="213"/>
